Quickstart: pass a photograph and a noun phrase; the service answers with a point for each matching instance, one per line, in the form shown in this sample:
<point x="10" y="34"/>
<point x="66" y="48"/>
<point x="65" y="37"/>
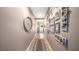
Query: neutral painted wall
<point x="12" y="34"/>
<point x="72" y="35"/>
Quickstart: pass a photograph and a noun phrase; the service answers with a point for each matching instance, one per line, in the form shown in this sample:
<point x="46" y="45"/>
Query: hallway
<point x="39" y="28"/>
<point x="39" y="44"/>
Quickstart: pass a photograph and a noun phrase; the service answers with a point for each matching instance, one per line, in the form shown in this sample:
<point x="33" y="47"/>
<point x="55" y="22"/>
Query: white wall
<point x="12" y="34"/>
<point x="72" y="34"/>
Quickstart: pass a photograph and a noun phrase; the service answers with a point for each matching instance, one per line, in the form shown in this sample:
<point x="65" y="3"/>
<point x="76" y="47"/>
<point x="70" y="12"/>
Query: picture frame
<point x="57" y="28"/>
<point x="51" y="21"/>
<point x="52" y="29"/>
<point x="58" y="15"/>
<point x="65" y="18"/>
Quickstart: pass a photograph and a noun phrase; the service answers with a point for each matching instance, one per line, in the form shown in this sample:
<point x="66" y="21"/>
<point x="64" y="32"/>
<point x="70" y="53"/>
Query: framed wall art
<point x="57" y="28"/>
<point x="51" y="21"/>
<point x="65" y="18"/>
<point x="58" y="14"/>
<point x="52" y="29"/>
<point x="27" y="24"/>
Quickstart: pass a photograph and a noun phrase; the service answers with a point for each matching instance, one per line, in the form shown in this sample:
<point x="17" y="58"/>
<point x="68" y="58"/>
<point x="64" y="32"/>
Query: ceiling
<point x="39" y="12"/>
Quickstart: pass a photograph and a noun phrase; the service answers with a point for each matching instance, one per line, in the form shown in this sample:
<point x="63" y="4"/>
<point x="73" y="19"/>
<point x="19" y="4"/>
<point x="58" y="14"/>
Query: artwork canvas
<point x="57" y="28"/>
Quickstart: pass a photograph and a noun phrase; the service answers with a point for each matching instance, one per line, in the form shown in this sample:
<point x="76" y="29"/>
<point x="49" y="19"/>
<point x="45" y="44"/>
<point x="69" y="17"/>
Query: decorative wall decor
<point x="51" y="21"/>
<point x="62" y="40"/>
<point x="58" y="14"/>
<point x="57" y="17"/>
<point x="65" y="18"/>
<point x="57" y="28"/>
<point x="51" y="25"/>
<point x="52" y="29"/>
<point x="27" y="24"/>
